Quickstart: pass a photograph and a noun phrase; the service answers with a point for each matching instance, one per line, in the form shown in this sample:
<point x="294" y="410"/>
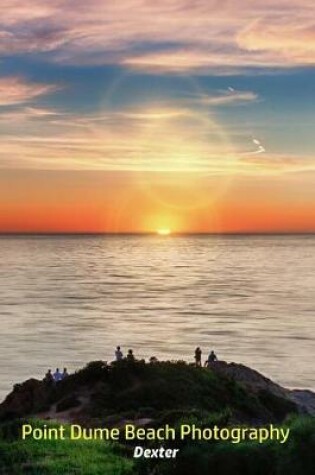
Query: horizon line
<point x="153" y="233"/>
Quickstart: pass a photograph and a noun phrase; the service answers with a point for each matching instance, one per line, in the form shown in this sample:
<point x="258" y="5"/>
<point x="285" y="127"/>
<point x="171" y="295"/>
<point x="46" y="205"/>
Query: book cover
<point x="157" y="197"/>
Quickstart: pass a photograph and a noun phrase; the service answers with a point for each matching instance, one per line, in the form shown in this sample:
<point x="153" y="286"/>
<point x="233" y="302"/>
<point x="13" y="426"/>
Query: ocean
<point x="67" y="300"/>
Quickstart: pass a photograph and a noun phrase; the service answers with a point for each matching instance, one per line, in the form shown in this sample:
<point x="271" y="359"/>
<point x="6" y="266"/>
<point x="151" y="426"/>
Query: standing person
<point x="118" y="354"/>
<point x="65" y="373"/>
<point x="57" y="376"/>
<point x="198" y="356"/>
<point x="48" y="377"/>
<point x="130" y="356"/>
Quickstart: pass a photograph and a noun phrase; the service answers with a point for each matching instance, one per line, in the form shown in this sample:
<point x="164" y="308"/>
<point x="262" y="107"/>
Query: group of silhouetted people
<point x="119" y="355"/>
<point x="211" y="358"/>
<point x="52" y="378"/>
<point x="55" y="377"/>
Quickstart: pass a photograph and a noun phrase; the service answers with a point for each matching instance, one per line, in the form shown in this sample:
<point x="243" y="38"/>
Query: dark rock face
<point x="265" y="388"/>
<point x="30" y="396"/>
<point x="305" y="400"/>
<point x="251" y="378"/>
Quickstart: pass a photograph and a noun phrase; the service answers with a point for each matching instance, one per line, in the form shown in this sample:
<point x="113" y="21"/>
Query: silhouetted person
<point x="48" y="379"/>
<point x="57" y="376"/>
<point x="211" y="358"/>
<point x="65" y="373"/>
<point x="198" y="356"/>
<point x="130" y="356"/>
<point x="118" y="354"/>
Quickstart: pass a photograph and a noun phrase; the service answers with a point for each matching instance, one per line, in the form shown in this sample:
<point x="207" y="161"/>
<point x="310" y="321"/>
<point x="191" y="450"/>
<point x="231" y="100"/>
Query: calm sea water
<point x="65" y="301"/>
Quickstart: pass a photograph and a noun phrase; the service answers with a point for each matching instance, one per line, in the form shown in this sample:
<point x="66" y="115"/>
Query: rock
<point x="26" y="398"/>
<point x="251" y="378"/>
<point x="256" y="382"/>
<point x="305" y="399"/>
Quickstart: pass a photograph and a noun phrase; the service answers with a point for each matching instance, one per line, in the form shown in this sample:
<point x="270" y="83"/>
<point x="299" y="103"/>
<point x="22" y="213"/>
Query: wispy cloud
<point x="147" y="139"/>
<point x="16" y="90"/>
<point x="227" y="98"/>
<point x="169" y="36"/>
<point x="272" y="163"/>
<point x="291" y="41"/>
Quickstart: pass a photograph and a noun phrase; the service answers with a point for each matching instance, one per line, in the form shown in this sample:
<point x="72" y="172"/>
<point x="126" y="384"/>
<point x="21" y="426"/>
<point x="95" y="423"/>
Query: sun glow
<point x="163" y="232"/>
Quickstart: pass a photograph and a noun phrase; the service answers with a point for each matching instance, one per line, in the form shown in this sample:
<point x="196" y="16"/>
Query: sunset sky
<point x="139" y="115"/>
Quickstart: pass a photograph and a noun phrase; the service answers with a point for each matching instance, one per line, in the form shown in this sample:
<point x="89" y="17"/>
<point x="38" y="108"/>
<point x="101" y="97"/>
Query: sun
<point x="163" y="232"/>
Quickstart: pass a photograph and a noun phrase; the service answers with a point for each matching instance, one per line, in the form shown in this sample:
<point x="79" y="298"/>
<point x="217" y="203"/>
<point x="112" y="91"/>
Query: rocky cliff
<point x="158" y="392"/>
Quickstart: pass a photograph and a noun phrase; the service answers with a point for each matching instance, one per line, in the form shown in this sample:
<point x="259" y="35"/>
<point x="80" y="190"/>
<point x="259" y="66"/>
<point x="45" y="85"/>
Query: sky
<point x="138" y="115"/>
